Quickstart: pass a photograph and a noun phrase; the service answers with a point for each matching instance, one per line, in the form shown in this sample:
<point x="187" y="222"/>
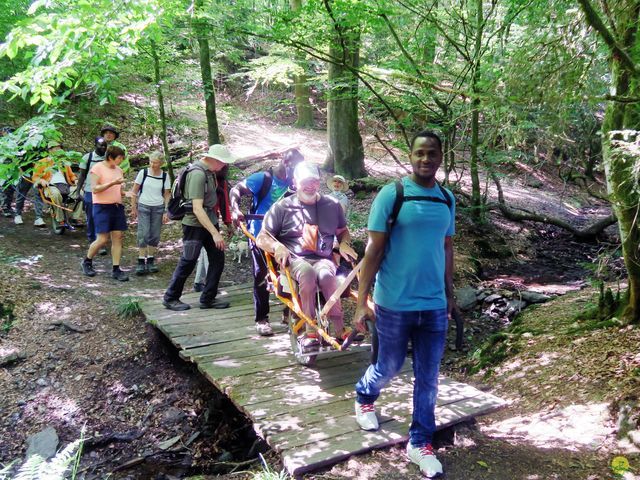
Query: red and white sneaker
<point x="366" y="416"/>
<point x="424" y="457"/>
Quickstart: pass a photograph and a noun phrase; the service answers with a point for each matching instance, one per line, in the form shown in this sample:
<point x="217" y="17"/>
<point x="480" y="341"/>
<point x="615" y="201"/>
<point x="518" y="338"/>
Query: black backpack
<point x="400" y="199"/>
<point x="145" y="174"/>
<point x="178" y="206"/>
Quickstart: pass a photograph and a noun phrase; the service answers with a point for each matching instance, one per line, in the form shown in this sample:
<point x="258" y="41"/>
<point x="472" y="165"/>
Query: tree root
<point x="589" y="233"/>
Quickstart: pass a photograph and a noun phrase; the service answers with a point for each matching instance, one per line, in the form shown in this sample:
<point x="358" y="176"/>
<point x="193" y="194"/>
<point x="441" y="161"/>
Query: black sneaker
<point x="8" y="213"/>
<point x="217" y="304"/>
<point x="87" y="269"/>
<point x="102" y="251"/>
<point x="141" y="269"/>
<point x="198" y="287"/>
<point x="120" y="276"/>
<point x="176" y="305"/>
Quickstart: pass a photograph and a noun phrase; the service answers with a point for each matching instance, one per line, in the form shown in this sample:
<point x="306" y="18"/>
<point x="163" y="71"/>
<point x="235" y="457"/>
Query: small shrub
<point x="129" y="307"/>
<point x="268" y="473"/>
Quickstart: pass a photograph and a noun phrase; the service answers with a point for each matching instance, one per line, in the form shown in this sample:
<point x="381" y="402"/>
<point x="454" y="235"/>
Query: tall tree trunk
<point x="476" y="199"/>
<point x="213" y="134"/>
<point x="163" y="116"/>
<point x="346" y="153"/>
<point x="619" y="162"/>
<point x="301" y="88"/>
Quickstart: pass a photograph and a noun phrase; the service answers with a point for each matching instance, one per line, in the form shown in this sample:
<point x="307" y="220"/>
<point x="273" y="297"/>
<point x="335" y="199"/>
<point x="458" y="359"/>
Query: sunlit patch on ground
<point x="571" y="428"/>
<point x="48" y="407"/>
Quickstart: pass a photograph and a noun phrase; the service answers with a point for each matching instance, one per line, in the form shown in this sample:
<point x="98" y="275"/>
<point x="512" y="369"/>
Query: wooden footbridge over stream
<point x="305" y="414"/>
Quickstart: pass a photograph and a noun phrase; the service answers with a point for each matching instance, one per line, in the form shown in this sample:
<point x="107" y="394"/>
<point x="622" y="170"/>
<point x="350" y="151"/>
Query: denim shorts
<point x="109" y="217"/>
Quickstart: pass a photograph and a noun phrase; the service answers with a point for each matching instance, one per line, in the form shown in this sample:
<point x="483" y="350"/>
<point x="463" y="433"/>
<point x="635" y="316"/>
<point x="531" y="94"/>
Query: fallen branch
<point x="71" y="326"/>
<point x="245" y="162"/>
<point x="589" y="233"/>
<point x="390" y="152"/>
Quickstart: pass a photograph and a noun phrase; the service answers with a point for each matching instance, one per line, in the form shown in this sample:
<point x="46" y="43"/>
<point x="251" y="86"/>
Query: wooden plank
<point x="305" y="413"/>
<point x="323" y="450"/>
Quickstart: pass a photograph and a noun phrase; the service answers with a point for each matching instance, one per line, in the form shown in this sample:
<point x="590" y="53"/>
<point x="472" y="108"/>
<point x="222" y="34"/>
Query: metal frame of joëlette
<point x="294" y="302"/>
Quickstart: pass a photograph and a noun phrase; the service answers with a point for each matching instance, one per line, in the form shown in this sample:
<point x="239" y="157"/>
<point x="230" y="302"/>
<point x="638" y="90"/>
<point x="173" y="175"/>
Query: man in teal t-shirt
<point x="412" y="262"/>
<point x="278" y="180"/>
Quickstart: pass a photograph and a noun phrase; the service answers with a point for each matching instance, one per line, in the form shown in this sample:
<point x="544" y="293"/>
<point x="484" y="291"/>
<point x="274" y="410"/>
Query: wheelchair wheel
<point x="56" y="227"/>
<point x="297" y="349"/>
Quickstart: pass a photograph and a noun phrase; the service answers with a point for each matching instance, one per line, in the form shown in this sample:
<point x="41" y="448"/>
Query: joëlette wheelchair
<point x="283" y="286"/>
<point x="68" y="206"/>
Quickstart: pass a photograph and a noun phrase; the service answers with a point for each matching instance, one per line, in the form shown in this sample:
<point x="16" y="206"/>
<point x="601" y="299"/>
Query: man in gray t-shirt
<point x="200" y="230"/>
<point x="84" y="180"/>
<point x="301" y="230"/>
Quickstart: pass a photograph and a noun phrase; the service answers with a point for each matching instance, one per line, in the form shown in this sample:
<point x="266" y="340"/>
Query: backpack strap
<point x="400" y="199"/>
<point x="164" y="180"/>
<point x="267" y="181"/>
<point x="397" y="205"/>
<point x="145" y="172"/>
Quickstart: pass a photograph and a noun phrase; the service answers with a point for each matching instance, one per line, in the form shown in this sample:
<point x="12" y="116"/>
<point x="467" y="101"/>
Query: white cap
<point x="305" y="171"/>
<point x="220" y="152"/>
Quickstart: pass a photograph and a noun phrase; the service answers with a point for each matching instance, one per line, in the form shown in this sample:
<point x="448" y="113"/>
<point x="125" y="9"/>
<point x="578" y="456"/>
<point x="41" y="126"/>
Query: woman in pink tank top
<point x="108" y="211"/>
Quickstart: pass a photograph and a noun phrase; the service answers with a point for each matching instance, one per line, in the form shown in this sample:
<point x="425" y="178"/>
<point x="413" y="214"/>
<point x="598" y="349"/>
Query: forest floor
<point x="87" y="365"/>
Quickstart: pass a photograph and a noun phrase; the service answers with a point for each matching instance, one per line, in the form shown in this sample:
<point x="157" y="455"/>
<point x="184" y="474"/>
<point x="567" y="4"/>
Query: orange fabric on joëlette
<point x="44" y="170"/>
<point x="105" y="175"/>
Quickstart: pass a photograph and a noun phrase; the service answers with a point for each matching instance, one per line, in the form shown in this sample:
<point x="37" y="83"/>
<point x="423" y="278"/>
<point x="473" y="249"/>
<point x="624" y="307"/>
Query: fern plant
<point x="63" y="466"/>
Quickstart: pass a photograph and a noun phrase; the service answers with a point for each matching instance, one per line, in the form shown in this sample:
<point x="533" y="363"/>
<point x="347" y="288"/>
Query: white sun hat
<point x="220" y="152"/>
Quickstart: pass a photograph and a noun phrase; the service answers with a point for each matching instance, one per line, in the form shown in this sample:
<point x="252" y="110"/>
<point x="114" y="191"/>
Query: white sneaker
<point x="424" y="457"/>
<point x="39" y="222"/>
<point x="18" y="220"/>
<point x="264" y="328"/>
<point x="366" y="416"/>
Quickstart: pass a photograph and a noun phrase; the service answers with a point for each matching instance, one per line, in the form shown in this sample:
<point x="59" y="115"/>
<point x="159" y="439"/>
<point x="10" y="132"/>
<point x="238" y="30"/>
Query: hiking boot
<point x="263" y="327"/>
<point x="424" y="457"/>
<point x="141" y="269"/>
<point x="120" y="276"/>
<point x="87" y="269"/>
<point x="102" y="251"/>
<point x="176" y="305"/>
<point x="366" y="416"/>
<point x="18" y="220"/>
<point x="198" y="287"/>
<point x="151" y="266"/>
<point x="217" y="304"/>
<point x="8" y="213"/>
<point x="39" y="223"/>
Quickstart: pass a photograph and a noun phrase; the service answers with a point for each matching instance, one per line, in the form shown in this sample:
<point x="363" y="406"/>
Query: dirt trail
<point x="118" y="377"/>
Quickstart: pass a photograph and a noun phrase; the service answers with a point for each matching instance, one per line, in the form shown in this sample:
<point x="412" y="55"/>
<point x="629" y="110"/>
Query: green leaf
<point x="482" y="464"/>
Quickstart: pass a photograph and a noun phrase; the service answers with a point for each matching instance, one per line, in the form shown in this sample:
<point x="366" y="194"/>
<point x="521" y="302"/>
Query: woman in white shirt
<point x="151" y="192"/>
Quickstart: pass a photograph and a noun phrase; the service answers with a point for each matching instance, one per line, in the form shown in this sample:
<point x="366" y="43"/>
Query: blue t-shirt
<point x="276" y="192"/>
<point x="411" y="274"/>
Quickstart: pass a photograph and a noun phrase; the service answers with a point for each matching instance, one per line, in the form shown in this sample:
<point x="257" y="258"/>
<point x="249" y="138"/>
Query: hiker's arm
<point x="344" y="244"/>
<point x="82" y="177"/>
<point x="167" y="197"/>
<point x="99" y="187"/>
<point x="371" y="261"/>
<point x="134" y="200"/>
<point x="269" y="244"/>
<point x="203" y="218"/>
<point x="448" y="273"/>
<point x="234" y="199"/>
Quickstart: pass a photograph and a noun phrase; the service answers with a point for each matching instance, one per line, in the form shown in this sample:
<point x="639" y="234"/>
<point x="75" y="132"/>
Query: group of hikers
<point x="409" y="252"/>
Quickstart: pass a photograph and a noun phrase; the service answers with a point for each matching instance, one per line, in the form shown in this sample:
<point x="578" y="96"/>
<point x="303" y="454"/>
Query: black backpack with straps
<point x="178" y="206"/>
<point x="145" y="174"/>
<point x="401" y="198"/>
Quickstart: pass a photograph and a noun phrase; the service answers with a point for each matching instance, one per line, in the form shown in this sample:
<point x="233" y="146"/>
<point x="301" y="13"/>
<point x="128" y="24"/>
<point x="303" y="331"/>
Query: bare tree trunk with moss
<point x="476" y="198"/>
<point x="346" y="153"/>
<point x="213" y="133"/>
<point x="163" y="116"/>
<point x="620" y="161"/>
<point x="301" y="88"/>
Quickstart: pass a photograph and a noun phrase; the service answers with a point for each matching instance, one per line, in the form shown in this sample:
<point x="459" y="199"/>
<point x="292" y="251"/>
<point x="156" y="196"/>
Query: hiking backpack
<point x="145" y="174"/>
<point x="400" y="199"/>
<point x="178" y="206"/>
<point x="264" y="190"/>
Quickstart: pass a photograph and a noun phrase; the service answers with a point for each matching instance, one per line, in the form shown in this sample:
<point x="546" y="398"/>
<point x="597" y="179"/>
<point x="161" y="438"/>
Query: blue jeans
<point x="428" y="331"/>
<point x="88" y="210"/>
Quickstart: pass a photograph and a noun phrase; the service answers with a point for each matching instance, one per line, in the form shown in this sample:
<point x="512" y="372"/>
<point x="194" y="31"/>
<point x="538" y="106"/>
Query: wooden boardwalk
<point x="305" y="414"/>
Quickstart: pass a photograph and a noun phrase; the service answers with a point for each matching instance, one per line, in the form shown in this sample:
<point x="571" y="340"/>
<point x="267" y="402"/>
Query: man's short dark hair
<point x="426" y="134"/>
<point x="114" y="152"/>
<point x="292" y="155"/>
